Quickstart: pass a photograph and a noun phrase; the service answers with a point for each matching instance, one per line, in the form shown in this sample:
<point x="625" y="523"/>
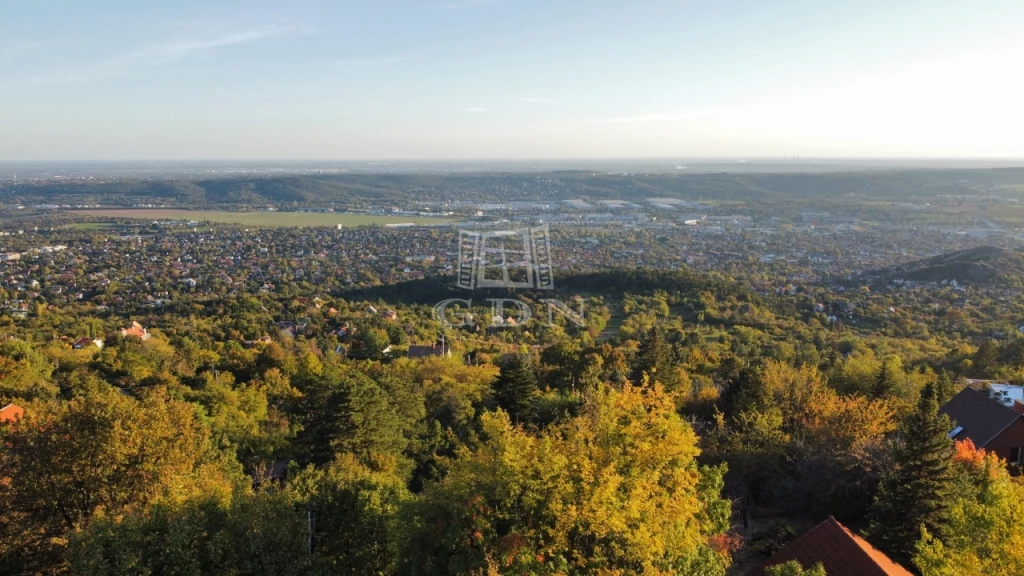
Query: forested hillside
<point x="299" y="433"/>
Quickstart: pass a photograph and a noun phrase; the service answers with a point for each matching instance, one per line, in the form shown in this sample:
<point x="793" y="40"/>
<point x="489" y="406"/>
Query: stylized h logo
<point x="519" y="258"/>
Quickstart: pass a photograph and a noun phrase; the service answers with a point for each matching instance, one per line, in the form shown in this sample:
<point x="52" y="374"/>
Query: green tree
<point x="915" y="491"/>
<point x="24" y="372"/>
<point x="353" y="531"/>
<point x="240" y="417"/>
<point x="98" y="454"/>
<point x="356" y="516"/>
<point x="516" y="389"/>
<point x="944" y="388"/>
<point x="653" y="357"/>
<point x="793" y="568"/>
<point x="615" y="490"/>
<point x="369" y="343"/>
<point x="986" y="521"/>
<point x="346" y="411"/>
<point x="890" y="378"/>
<point x="986" y="359"/>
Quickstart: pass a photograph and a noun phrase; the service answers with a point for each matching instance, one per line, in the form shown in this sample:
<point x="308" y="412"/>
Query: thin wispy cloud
<point x="159" y="54"/>
<point x="460" y="4"/>
<point x="528" y="100"/>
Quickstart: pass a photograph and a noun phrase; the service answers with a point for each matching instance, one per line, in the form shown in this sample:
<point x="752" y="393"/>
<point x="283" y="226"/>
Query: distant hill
<point x="686" y="284"/>
<point x="329" y="189"/>
<point x="982" y="265"/>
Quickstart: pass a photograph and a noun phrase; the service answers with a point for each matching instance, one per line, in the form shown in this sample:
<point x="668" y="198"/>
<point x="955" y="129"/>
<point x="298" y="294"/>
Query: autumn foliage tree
<point x="797" y="442"/>
<point x="100" y="454"/>
<point x="984" y="535"/>
<point x="614" y="490"/>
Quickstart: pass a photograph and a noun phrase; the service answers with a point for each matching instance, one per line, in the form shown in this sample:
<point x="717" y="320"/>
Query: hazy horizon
<point x="196" y="169"/>
<point x="510" y="80"/>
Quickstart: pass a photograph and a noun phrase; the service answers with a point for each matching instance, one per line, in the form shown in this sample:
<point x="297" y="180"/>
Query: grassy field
<point x="260" y="218"/>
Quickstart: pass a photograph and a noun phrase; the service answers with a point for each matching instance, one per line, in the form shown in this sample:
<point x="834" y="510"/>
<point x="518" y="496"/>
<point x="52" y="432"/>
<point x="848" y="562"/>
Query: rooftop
<point x="11" y="413"/>
<point x="980" y="418"/>
<point x="842" y="552"/>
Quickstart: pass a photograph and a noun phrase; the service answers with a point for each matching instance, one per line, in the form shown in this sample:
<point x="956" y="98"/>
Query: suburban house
<point x="842" y="552"/>
<point x="274" y="475"/>
<point x="987" y="422"/>
<point x="136" y="330"/>
<point x="1008" y="394"/>
<point x="432" y="350"/>
<point x="11" y="413"/>
<point x="86" y="342"/>
<point x="1005" y="392"/>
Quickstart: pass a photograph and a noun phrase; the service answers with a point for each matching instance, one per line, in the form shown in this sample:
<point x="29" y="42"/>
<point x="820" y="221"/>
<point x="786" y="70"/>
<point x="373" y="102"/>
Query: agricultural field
<point x="262" y="219"/>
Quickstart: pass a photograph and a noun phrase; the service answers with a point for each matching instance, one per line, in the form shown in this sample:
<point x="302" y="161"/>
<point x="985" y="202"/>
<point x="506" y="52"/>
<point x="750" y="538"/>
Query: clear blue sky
<point x="113" y="79"/>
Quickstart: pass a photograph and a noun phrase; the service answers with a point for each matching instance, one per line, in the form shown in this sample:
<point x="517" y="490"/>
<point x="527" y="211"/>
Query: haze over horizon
<point x="486" y="79"/>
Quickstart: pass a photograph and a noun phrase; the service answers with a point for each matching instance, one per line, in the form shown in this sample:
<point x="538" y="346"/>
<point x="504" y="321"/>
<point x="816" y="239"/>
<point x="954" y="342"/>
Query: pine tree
<point x="986" y="358"/>
<point x="833" y="355"/>
<point x="652" y="358"/>
<point x="516" y="389"/>
<point x="944" y="388"/>
<point x="347" y="412"/>
<point x="888" y="379"/>
<point x="916" y="490"/>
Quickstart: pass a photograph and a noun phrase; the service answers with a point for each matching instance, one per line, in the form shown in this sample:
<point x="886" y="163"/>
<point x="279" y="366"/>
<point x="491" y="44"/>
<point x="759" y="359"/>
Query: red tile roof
<point x="11" y="413"/>
<point x="135" y="329"/>
<point x="842" y="552"/>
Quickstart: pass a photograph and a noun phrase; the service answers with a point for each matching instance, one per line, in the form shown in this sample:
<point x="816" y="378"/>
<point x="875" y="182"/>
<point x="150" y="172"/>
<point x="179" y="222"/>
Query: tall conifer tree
<point x="944" y="388"/>
<point x="915" y="491"/>
<point x="516" y="389"/>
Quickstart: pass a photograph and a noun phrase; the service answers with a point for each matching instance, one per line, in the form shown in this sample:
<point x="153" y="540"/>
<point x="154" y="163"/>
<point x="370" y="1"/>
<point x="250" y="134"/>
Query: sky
<point x="465" y="79"/>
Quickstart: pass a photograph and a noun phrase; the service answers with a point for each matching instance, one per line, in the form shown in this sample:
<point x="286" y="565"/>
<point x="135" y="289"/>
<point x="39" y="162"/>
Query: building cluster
<point x="150" y="266"/>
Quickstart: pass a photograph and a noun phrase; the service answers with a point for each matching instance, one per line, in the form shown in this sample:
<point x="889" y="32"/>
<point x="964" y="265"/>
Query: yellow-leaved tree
<point x="615" y="490"/>
<point x="100" y="454"/>
<point x="985" y="531"/>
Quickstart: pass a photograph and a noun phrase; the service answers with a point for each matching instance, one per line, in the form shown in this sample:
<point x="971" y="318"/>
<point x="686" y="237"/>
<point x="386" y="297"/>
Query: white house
<point x="1002" y="391"/>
